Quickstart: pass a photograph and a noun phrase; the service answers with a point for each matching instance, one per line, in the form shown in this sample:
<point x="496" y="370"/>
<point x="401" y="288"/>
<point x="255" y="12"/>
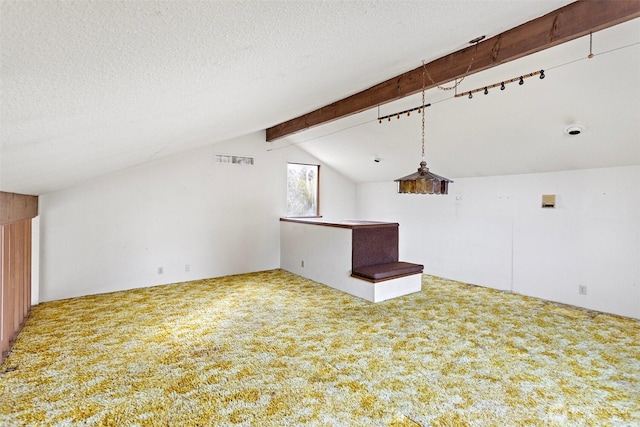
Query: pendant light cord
<point x="423" y="108"/>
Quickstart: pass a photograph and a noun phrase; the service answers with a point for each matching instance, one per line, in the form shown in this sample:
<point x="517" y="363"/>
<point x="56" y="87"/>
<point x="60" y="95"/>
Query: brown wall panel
<point x="16" y="211"/>
<point x="15" y="280"/>
<point x="17" y="207"/>
<point x="4" y="340"/>
<point x="15" y="273"/>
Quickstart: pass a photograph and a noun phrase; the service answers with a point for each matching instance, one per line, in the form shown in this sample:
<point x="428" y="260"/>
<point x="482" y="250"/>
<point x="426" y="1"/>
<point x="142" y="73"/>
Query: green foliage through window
<point x="302" y="190"/>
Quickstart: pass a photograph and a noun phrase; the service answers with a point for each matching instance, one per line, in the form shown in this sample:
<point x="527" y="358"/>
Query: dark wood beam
<point x="560" y="26"/>
<point x="17" y="207"/>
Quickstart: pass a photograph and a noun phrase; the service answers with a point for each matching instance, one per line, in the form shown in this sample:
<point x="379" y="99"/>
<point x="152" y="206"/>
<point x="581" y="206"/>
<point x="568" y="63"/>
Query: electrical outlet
<point x="160" y="270"/>
<point x="582" y="289"/>
<point x="187" y="268"/>
<point x="302" y="263"/>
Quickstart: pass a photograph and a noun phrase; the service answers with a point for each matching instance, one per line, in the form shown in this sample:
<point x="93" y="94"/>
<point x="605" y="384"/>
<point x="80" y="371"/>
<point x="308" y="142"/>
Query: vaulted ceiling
<point x="90" y="88"/>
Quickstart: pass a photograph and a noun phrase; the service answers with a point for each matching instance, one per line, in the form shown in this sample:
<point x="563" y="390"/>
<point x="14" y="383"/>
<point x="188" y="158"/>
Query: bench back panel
<point x="374" y="245"/>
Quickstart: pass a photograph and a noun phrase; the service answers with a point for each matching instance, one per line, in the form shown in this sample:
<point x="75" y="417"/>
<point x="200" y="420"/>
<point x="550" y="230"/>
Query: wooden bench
<point x="375" y="255"/>
<point x="388" y="271"/>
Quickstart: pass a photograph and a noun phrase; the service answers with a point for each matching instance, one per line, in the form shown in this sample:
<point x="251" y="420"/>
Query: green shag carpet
<point x="275" y="349"/>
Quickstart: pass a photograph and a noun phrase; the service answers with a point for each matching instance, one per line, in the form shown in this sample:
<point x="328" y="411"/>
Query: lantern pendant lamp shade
<point x="423" y="182"/>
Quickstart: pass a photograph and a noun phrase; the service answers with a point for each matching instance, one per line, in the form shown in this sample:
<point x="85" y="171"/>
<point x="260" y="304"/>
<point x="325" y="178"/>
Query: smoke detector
<point x="574" y="129"/>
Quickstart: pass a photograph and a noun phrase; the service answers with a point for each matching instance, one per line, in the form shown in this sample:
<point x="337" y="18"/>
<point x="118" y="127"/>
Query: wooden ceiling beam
<point x="560" y="26"/>
<point x="17" y="207"/>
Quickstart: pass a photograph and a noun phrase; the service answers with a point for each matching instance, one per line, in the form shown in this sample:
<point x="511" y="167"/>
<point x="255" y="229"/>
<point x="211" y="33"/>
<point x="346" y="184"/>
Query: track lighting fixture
<point x="485" y="89"/>
<point x="397" y="115"/>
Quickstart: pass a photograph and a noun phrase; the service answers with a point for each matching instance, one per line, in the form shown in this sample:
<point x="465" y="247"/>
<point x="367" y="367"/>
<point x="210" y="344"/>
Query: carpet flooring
<point x="275" y="349"/>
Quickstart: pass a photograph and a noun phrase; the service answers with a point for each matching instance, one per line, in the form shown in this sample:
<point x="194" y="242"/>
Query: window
<point x="302" y="190"/>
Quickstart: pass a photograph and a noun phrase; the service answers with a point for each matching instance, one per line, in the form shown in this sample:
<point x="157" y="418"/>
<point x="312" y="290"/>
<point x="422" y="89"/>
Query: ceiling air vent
<point x="231" y="159"/>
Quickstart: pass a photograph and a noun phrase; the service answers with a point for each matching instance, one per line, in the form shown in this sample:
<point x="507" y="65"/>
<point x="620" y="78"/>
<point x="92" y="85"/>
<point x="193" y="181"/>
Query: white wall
<point x="113" y="233"/>
<point x="493" y="232"/>
<point x="35" y="260"/>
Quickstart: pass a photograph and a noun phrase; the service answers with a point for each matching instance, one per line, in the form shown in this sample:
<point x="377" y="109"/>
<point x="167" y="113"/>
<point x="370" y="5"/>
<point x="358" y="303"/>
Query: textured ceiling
<point x="89" y="88"/>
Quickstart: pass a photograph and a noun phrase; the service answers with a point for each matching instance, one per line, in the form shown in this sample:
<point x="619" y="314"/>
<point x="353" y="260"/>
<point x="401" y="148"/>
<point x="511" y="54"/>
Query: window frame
<point x="317" y="213"/>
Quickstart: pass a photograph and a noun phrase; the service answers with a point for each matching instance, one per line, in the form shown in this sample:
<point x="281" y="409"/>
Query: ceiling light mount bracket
<point x="456" y="82"/>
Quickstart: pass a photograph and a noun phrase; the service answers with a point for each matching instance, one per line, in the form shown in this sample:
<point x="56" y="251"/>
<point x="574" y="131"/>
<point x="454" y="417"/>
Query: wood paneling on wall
<point x="16" y="211"/>
<point x="17" y="207"/>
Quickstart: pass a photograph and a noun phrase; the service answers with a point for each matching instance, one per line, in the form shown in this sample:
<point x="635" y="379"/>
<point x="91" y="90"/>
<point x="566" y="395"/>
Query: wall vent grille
<point x="232" y="159"/>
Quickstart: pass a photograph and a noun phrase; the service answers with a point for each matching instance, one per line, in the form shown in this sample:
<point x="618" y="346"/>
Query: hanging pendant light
<point x="423" y="181"/>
